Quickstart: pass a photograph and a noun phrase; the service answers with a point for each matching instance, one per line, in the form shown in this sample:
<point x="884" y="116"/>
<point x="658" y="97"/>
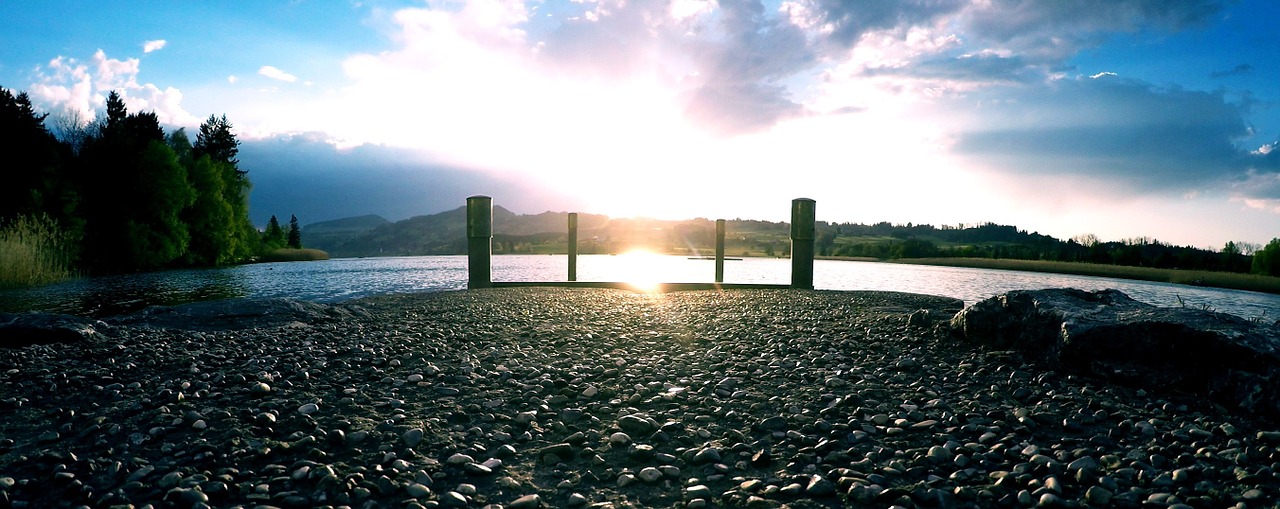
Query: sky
<point x="1117" y="118"/>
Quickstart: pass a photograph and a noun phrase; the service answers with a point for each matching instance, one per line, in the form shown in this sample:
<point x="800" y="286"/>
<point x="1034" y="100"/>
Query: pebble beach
<point x="551" y="397"/>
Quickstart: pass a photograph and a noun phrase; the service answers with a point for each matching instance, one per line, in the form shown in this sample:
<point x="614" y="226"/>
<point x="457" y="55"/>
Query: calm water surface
<point x="343" y="279"/>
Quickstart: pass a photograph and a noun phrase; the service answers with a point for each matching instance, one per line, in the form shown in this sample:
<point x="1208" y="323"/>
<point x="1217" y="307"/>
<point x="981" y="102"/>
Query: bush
<point x="33" y="251"/>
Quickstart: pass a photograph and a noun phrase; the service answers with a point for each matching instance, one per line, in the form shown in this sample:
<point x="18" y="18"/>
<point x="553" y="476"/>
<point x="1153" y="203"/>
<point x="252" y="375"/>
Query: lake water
<point x="343" y="279"/>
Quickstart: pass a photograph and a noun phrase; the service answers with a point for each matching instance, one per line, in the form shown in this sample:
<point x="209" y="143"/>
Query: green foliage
<point x="155" y="232"/>
<point x="295" y="234"/>
<point x="217" y="141"/>
<point x="121" y="194"/>
<point x="33" y="184"/>
<point x="33" y="251"/>
<point x="273" y="237"/>
<point x="1267" y="260"/>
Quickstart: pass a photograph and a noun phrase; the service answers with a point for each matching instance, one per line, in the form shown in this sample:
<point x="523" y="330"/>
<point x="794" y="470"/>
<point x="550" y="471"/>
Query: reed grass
<point x="1229" y="280"/>
<point x="33" y="251"/>
<point x="294" y="255"/>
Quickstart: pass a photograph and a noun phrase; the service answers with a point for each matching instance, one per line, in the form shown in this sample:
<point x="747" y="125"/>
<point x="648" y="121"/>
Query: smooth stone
<point x="636" y="425"/>
<point x="526" y="502"/>
<point x="708" y="455"/>
<point x="1098" y="495"/>
<point x="460" y="459"/>
<point x="698" y="491"/>
<point x="820" y="487"/>
<point x="453" y="499"/>
<point x="649" y="474"/>
<point x="775" y="423"/>
<point x="412" y="437"/>
<point x="417" y="490"/>
<point x="308" y="409"/>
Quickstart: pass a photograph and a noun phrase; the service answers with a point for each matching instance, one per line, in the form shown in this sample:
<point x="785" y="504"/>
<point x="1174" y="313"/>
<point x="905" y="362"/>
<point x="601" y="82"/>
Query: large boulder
<point x="26" y="329"/>
<point x="1228" y="359"/>
<point x="229" y="314"/>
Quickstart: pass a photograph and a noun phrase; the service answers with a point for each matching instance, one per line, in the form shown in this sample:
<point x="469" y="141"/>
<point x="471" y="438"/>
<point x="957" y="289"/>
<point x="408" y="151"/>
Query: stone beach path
<point x="540" y="397"/>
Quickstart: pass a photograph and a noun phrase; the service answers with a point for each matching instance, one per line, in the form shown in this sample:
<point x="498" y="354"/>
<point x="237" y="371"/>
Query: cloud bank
<point x="80" y="89"/>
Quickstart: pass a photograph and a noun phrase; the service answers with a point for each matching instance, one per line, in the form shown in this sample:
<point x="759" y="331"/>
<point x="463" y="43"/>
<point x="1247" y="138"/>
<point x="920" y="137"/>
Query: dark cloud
<point x="1143" y="138"/>
<point x="1238" y="70"/>
<point x="739" y="60"/>
<point x="1053" y="31"/>
<point x="307" y="177"/>
<point x="850" y="20"/>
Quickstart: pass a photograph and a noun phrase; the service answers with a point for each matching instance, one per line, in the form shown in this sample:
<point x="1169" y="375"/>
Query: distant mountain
<point x="445" y="233"/>
<point x="435" y="234"/>
<point x="327" y="234"/>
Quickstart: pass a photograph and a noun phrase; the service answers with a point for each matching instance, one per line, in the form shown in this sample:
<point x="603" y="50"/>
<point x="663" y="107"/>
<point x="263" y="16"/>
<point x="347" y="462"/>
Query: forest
<point x="989" y="240"/>
<point x="119" y="194"/>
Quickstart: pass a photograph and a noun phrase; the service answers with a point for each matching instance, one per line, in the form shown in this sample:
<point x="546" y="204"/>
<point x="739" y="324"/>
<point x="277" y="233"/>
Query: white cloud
<point x="70" y="85"/>
<point x="276" y="74"/>
<point x="156" y="45"/>
<point x="232" y="79"/>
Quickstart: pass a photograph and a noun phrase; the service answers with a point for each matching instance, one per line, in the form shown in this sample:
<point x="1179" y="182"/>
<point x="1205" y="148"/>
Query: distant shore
<point x="1227" y="280"/>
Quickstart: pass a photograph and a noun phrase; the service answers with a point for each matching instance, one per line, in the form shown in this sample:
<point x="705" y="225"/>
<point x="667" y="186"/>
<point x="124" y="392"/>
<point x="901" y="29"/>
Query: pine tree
<point x="295" y="234"/>
<point x="274" y="236"/>
<point x="216" y="140"/>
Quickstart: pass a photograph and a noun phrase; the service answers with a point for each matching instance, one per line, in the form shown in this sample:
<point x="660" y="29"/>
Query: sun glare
<point x="643" y="269"/>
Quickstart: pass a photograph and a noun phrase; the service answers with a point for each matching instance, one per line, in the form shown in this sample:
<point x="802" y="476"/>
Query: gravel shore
<point x="539" y="397"/>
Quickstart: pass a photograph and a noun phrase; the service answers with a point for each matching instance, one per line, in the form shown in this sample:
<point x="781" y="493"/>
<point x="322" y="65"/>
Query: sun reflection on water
<point x="643" y="269"/>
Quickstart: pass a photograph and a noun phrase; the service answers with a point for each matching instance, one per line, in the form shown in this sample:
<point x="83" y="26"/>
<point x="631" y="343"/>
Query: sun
<point x="643" y="269"/>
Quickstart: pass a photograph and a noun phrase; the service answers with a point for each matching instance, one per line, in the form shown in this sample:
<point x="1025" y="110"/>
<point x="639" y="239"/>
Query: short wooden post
<point x="479" y="241"/>
<point x="719" y="250"/>
<point x="573" y="246"/>
<point x="803" y="216"/>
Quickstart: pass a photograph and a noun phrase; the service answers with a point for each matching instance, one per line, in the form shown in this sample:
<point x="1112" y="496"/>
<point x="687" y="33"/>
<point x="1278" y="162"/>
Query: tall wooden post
<point x="803" y="216"/>
<point x="479" y="241"/>
<point x="719" y="250"/>
<point x="573" y="246"/>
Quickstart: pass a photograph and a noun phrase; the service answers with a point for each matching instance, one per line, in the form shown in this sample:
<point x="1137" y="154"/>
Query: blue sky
<point x="1119" y="118"/>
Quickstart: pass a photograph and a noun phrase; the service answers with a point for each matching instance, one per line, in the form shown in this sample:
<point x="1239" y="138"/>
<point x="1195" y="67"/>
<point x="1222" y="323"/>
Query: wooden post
<point x="719" y="250"/>
<point x="573" y="246"/>
<point x="803" y="216"/>
<point x="479" y="241"/>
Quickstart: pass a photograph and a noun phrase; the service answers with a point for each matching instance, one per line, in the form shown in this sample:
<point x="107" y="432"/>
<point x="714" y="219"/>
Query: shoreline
<point x="532" y="397"/>
<point x="1202" y="278"/>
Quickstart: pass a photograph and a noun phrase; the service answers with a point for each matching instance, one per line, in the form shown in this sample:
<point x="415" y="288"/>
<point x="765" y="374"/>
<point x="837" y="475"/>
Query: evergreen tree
<point x="274" y="236"/>
<point x="295" y="234"/>
<point x="217" y="141"/>
<point x="134" y="192"/>
<point x="32" y="182"/>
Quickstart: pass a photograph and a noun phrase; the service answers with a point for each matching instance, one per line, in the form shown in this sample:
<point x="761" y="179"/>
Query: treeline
<point x="122" y="195"/>
<point x="989" y="240"/>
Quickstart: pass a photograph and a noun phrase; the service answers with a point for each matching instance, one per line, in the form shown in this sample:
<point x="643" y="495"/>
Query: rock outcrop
<point x="26" y="329"/>
<point x="231" y="314"/>
<point x="1228" y="359"/>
